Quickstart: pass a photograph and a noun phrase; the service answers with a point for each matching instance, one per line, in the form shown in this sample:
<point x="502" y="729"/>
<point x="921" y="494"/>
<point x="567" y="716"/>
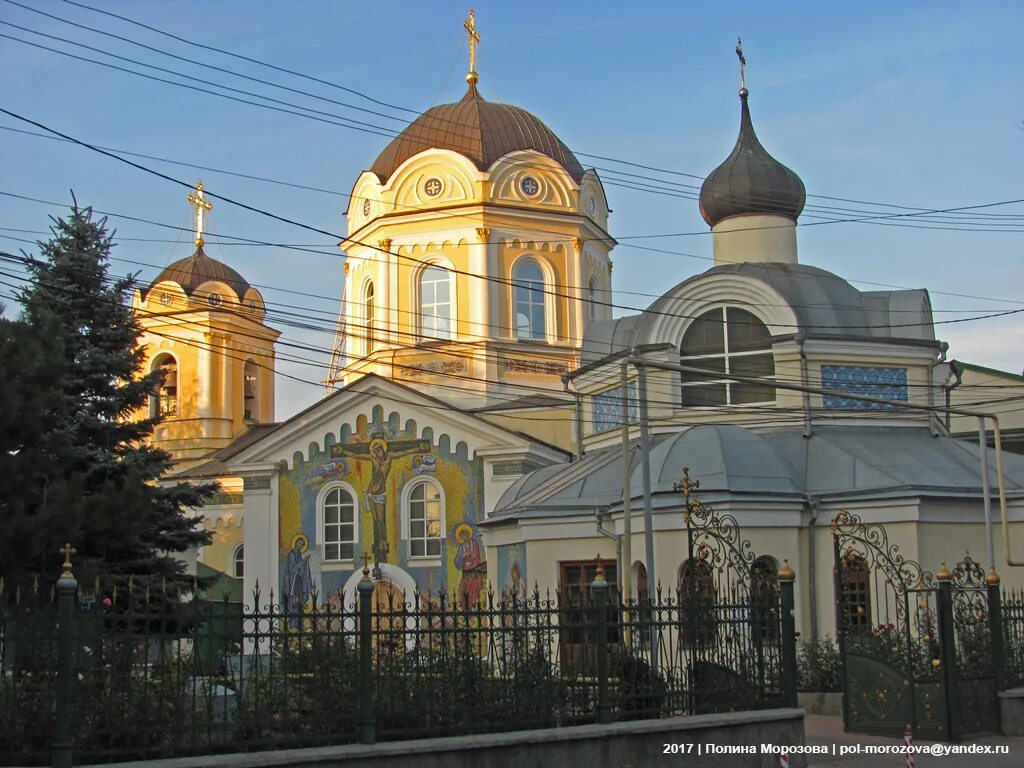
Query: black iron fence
<point x="1013" y="637"/>
<point x="134" y="674"/>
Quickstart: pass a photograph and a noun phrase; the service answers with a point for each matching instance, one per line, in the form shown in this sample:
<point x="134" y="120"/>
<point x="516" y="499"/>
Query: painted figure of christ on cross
<point x="380" y="454"/>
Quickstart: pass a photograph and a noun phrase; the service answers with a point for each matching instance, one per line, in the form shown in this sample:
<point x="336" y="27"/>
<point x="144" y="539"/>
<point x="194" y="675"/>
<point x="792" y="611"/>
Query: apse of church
<point x="408" y="499"/>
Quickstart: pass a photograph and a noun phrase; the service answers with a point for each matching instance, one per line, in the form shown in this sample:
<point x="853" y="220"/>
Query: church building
<point x="469" y="437"/>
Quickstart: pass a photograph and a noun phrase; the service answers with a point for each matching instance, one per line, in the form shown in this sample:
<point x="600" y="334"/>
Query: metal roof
<point x="750" y="180"/>
<point x="192" y="271"/>
<point x="480" y="130"/>
<point x="728" y="460"/>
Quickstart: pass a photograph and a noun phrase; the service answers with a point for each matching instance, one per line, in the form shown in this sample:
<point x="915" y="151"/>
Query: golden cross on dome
<point x="474" y="38"/>
<point x="202" y="205"/>
<point x="67" y="550"/>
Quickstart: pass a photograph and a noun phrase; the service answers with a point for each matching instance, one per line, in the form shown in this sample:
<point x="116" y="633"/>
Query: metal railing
<point x="1013" y="637"/>
<point x="144" y="673"/>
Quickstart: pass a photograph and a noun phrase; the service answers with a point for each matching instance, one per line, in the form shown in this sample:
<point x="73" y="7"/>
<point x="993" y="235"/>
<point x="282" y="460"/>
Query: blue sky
<point x="914" y="103"/>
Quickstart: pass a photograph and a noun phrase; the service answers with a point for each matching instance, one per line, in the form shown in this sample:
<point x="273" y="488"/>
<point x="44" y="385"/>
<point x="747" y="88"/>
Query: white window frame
<point x="370" y="340"/>
<point x="233" y="562"/>
<point x="406" y="506"/>
<point x="321" y="502"/>
<point x="727" y="356"/>
<point x="453" y="303"/>
<point x="593" y="288"/>
<point x="547" y="277"/>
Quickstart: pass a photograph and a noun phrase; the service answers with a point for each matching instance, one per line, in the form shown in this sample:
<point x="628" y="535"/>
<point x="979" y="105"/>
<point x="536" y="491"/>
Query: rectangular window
<point x="607" y="408"/>
<point x="339" y="525"/>
<point x="425" y="515"/>
<point x="887" y="383"/>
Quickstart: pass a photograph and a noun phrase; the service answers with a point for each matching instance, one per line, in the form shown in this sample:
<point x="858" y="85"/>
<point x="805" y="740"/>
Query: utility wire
<point x="262" y="63"/>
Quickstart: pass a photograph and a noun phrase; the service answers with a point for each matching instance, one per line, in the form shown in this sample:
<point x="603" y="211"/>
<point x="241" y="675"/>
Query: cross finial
<point x="366" y="565"/>
<point x="202" y="205"/>
<point x="743" y="66"/>
<point x="67" y="550"/>
<point x="474" y="37"/>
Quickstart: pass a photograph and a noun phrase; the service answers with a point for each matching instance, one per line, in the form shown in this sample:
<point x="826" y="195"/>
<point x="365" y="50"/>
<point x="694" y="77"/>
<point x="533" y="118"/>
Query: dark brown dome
<point x="750" y="180"/>
<point x="479" y="130"/>
<point x="194" y="270"/>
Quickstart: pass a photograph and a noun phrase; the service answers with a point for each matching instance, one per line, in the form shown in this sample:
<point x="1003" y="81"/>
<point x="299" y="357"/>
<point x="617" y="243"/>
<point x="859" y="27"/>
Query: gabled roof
<point x="216" y="463"/>
<point x="311" y="424"/>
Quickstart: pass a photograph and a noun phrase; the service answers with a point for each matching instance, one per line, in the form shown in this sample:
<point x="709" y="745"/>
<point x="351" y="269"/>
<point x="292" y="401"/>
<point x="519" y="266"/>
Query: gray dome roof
<point x="750" y="180"/>
<point x="824" y="305"/>
<point x="194" y="270"/>
<point x="724" y="457"/>
<point x="480" y="130"/>
<point x="866" y="462"/>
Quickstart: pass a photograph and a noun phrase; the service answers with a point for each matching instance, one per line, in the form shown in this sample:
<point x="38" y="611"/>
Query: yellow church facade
<point x="468" y="434"/>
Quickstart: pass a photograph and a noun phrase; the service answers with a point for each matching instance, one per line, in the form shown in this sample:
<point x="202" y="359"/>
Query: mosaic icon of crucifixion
<point x="381" y="454"/>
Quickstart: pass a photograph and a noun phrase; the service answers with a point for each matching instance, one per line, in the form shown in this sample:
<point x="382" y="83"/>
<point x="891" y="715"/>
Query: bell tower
<point x="204" y="327"/>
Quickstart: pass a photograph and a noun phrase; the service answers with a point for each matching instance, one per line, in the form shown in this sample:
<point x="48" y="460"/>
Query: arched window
<point x="592" y="297"/>
<point x="250" y="390"/>
<point x="164" y="401"/>
<point x="238" y="562"/>
<point x="855" y="584"/>
<point x="528" y="295"/>
<point x="435" y="303"/>
<point x="724" y="341"/>
<point x="696" y="602"/>
<point x="764" y="598"/>
<point x="369" y="315"/>
<point x="338" y="523"/>
<point x="425" y="520"/>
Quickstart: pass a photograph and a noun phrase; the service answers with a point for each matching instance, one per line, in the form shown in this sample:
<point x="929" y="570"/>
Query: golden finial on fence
<point x="67" y="550"/>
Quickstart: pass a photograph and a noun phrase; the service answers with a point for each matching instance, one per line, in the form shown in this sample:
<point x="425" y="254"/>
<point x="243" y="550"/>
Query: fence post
<point x="787" y="604"/>
<point x="67" y="585"/>
<point x="599" y="589"/>
<point x="995" y="618"/>
<point x="367" y="716"/>
<point x="947" y="652"/>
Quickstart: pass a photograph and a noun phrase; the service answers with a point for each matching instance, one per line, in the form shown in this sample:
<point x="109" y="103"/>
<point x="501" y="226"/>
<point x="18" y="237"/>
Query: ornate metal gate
<point x="732" y="631"/>
<point x="916" y="647"/>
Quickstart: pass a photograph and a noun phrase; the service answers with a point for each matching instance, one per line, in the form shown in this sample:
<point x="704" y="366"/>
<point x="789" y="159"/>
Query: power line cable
<point x="643" y="187"/>
<point x="416" y="112"/>
<point x="254" y="209"/>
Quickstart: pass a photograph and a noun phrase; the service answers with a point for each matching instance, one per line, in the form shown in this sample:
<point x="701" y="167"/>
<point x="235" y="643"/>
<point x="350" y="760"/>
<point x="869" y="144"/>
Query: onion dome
<point x="192" y="271"/>
<point x="750" y="180"/>
<point x="479" y="130"/>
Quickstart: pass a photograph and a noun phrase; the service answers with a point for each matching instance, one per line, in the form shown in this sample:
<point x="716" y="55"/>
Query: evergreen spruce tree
<point x="94" y="478"/>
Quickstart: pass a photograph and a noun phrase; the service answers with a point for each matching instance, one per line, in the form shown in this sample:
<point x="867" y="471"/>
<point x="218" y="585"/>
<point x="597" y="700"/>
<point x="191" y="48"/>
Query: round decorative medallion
<point x="432" y="187"/>
<point x="529" y="186"/>
<point x="366" y="207"/>
<point x="214" y="299"/>
<point x="592" y="205"/>
<point x="166" y="299"/>
<point x="252" y="306"/>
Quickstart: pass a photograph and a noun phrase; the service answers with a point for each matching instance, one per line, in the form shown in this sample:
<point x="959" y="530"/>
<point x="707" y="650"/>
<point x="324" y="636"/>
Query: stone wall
<point x="821" y="702"/>
<point x="619" y="745"/>
<point x="1011" y="703"/>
